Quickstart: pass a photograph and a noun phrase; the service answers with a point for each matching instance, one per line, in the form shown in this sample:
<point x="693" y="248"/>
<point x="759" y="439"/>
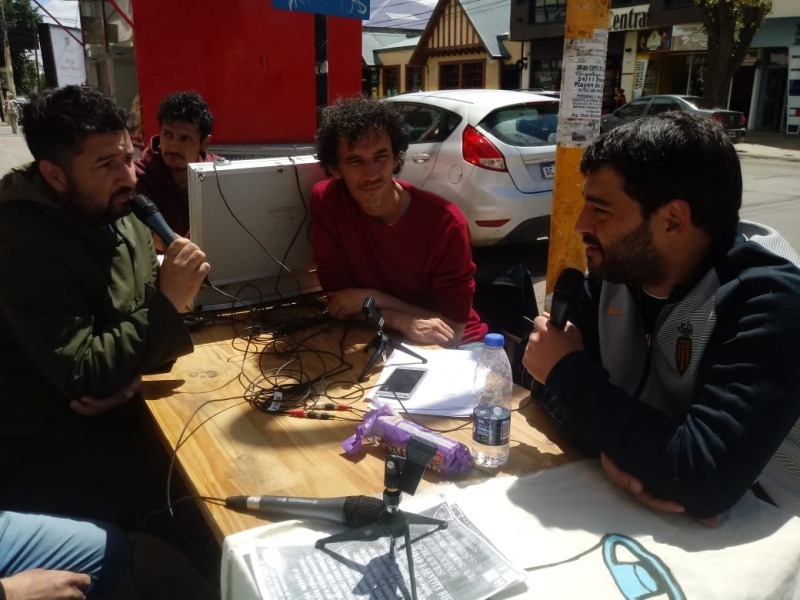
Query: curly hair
<point x="352" y="118"/>
<point x="57" y="122"/>
<point x="675" y="155"/>
<point x="188" y="107"/>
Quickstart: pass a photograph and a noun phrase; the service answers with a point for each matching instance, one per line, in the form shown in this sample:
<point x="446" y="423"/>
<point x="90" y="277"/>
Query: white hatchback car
<point x="491" y="152"/>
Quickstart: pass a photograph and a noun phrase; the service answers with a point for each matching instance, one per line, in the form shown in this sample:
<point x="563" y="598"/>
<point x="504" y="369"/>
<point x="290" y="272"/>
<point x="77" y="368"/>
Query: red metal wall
<point x="253" y="64"/>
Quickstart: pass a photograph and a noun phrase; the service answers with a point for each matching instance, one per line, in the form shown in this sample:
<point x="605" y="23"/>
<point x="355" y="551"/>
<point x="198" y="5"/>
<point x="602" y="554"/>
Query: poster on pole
<point x="62" y="55"/>
<point x="582" y="89"/>
<point x="355" y="9"/>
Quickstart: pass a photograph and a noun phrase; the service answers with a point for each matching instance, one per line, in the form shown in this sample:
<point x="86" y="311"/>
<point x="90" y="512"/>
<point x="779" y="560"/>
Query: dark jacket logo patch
<point x="683" y="347"/>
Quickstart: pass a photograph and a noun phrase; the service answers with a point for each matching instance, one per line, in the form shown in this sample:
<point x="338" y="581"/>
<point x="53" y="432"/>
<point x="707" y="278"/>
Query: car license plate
<point x="549" y="170"/>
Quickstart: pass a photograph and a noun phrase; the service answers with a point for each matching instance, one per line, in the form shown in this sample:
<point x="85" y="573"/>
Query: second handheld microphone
<point x="566" y="295"/>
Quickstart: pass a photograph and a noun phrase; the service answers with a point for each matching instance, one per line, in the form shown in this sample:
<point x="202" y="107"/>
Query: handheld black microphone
<point x="148" y="213"/>
<point x="566" y="294"/>
<point x="353" y="511"/>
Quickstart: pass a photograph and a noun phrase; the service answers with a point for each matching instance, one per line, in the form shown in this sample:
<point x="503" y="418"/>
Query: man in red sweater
<point x="376" y="236"/>
<point x="163" y="172"/>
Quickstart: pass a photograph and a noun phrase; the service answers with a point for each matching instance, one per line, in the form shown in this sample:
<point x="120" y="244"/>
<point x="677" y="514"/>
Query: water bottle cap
<point x="494" y="340"/>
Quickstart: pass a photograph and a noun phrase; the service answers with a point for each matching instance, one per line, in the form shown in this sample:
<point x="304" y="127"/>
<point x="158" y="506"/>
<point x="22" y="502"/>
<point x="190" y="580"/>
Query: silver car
<point x="647" y="106"/>
<point x="491" y="152"/>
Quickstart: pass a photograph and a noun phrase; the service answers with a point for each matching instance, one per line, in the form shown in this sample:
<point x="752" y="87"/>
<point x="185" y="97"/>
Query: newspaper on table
<point x="458" y="562"/>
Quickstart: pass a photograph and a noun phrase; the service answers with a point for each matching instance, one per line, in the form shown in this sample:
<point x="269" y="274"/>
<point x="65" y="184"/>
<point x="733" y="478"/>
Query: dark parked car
<point x="733" y="121"/>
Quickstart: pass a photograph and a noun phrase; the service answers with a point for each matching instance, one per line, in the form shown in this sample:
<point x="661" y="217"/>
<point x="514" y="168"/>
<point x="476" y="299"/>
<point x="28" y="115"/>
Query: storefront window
<point x="472" y="75"/>
<point x="448" y="77"/>
<point x="453" y="76"/>
<point x="546" y="74"/>
<point x="413" y="78"/>
<point x="391" y="81"/>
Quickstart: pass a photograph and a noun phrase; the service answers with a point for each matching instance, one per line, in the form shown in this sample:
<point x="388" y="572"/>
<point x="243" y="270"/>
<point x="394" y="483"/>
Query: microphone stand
<point x="381" y="341"/>
<point x="393" y="522"/>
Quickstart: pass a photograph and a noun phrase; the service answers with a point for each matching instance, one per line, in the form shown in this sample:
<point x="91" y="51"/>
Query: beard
<point x="630" y="260"/>
<point x="103" y="212"/>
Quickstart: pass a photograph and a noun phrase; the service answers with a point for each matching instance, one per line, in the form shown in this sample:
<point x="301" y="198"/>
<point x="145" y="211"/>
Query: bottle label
<point x="491" y="425"/>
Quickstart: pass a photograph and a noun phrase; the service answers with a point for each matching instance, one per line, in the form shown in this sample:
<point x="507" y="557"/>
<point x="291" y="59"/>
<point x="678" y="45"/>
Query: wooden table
<point x="231" y="448"/>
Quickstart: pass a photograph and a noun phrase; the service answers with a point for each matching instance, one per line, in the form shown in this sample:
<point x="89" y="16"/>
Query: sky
<point x="66" y="11"/>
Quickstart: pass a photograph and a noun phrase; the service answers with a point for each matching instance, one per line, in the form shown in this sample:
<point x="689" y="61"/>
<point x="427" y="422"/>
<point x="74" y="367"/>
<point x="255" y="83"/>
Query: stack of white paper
<point x="447" y="388"/>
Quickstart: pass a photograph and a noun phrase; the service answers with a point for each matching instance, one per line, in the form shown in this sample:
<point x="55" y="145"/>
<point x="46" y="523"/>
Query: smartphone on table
<point x="402" y="382"/>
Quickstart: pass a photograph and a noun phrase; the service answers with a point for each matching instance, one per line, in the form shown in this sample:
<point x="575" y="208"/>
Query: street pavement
<point x="770" y="144"/>
<point x="758" y="144"/>
<point x="13" y="149"/>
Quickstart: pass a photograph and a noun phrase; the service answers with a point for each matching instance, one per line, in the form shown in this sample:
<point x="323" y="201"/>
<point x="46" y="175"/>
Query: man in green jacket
<point x="84" y="312"/>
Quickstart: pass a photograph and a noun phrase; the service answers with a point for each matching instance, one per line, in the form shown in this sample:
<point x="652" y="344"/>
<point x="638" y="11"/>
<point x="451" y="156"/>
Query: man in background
<point x="85" y="310"/>
<point x="619" y="98"/>
<point x="11" y="111"/>
<point x="162" y="174"/>
<point x="377" y="236"/>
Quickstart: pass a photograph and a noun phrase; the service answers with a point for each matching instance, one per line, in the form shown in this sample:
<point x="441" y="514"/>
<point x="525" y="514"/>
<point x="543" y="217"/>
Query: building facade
<point x="660" y="47"/>
<point x="464" y="45"/>
<point x="258" y="67"/>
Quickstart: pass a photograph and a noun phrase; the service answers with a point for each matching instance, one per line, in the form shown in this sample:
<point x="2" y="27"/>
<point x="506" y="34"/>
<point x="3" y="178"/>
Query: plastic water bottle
<point x="491" y="410"/>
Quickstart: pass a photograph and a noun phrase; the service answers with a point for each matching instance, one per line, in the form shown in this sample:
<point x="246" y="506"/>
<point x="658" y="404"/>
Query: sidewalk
<point x="770" y="144"/>
<point x="13" y="149"/>
<point x="757" y="144"/>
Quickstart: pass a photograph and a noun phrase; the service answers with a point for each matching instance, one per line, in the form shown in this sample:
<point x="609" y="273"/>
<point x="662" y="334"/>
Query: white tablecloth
<point x="581" y="537"/>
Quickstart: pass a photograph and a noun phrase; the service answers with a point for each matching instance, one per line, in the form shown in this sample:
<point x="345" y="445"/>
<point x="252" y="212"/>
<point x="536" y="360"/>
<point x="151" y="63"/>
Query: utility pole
<point x="585" y="49"/>
<point x="6" y="50"/>
<point x="35" y="32"/>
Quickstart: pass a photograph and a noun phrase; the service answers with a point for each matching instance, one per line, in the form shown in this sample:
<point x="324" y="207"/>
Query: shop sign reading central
<point x="625" y="19"/>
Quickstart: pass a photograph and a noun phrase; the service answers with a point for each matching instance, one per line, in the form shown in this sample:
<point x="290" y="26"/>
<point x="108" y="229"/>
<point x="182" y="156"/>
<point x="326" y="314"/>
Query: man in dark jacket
<point x="163" y="172"/>
<point x="84" y="311"/>
<point x="681" y="366"/>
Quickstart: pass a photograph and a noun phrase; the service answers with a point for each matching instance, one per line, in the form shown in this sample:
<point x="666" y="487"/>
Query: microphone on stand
<point x="566" y="294"/>
<point x="353" y="511"/>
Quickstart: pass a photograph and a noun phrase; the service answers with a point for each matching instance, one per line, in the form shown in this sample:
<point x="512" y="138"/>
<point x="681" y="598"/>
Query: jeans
<point x="34" y="541"/>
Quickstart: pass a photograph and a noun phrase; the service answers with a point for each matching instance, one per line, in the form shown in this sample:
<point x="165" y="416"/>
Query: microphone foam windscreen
<point x="143" y="207"/>
<point x="570" y="281"/>
<point x="362" y="510"/>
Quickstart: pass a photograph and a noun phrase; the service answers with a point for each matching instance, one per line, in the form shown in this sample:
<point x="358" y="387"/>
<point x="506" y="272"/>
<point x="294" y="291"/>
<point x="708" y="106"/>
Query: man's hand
<point x="89" y="406"/>
<point x="547" y="345"/>
<point x="182" y="272"/>
<point x="415" y="324"/>
<point x="159" y="244"/>
<point x="40" y="584"/>
<point x="348" y="302"/>
<point x="635" y="487"/>
<point x="425" y="331"/>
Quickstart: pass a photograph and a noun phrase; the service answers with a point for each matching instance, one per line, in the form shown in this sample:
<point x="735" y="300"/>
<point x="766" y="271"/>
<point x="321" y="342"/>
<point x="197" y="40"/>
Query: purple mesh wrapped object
<point x="452" y="457"/>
